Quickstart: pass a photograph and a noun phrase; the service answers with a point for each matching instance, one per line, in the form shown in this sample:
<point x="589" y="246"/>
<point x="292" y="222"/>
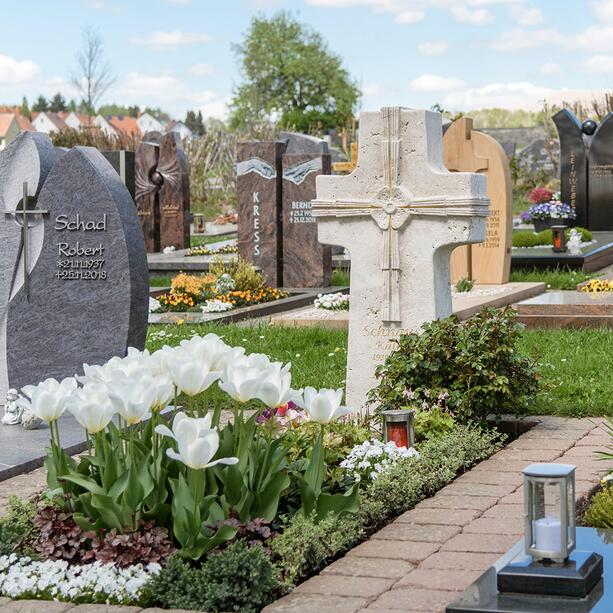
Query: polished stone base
<point x="575" y="578"/>
<point x="483" y="596"/>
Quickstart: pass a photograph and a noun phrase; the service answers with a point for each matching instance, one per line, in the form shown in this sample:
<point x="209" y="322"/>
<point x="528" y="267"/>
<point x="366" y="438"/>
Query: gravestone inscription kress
<point x="88" y="279"/>
<point x="400" y="213"/>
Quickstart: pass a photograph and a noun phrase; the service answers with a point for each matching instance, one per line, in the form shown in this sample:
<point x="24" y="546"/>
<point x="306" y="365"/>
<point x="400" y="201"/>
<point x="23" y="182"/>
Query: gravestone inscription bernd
<point x="258" y="186"/>
<point x="306" y="262"/>
<point x="78" y="284"/>
<point x="400" y="213"/>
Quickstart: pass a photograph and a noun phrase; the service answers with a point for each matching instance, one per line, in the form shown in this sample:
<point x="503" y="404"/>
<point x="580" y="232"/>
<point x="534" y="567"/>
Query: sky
<point x="461" y="54"/>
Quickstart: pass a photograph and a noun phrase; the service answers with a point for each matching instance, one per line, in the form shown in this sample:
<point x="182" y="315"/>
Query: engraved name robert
<point x="62" y="222"/>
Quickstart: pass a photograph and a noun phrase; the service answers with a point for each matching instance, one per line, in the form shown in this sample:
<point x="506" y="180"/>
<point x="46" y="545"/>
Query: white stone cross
<point x="399" y="263"/>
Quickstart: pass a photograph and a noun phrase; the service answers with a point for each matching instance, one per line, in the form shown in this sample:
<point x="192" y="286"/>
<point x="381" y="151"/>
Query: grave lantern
<point x="549" y="510"/>
<point x="398" y="427"/>
<point x="199" y="223"/>
<point x="559" y="238"/>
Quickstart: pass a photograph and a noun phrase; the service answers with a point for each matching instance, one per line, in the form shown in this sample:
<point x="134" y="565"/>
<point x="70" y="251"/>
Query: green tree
<point x="57" y="103"/>
<point x="118" y="109"/>
<point x="24" y="109"/>
<point x="289" y="70"/>
<point x="158" y="113"/>
<point x="194" y="122"/>
<point x="40" y="105"/>
<point x="72" y="105"/>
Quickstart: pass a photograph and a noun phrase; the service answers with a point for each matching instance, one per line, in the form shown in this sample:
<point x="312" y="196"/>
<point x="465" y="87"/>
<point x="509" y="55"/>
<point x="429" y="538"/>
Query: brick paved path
<point x="424" y="559"/>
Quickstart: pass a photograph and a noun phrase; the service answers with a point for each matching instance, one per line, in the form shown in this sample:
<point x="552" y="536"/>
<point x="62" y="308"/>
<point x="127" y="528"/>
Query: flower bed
<point x="226" y="287"/>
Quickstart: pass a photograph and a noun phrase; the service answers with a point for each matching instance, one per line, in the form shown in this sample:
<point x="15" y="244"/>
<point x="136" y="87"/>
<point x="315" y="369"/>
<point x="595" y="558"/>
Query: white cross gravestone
<point x="400" y="214"/>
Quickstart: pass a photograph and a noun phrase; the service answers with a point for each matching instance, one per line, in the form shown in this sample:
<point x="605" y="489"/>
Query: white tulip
<point x="47" y="400"/>
<point x="91" y="407"/>
<point x="164" y="391"/>
<point x="192" y="375"/>
<point x="323" y="406"/>
<point x="275" y="387"/>
<point x="243" y="376"/>
<point x="134" y="398"/>
<point x="197" y="442"/>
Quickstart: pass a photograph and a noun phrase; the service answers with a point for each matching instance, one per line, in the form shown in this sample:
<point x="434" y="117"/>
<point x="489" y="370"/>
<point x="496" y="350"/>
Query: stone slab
<point x="464" y="305"/>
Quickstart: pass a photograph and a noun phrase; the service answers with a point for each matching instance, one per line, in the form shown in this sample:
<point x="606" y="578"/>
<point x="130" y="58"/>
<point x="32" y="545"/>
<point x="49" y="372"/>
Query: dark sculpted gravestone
<point x="258" y="185"/>
<point x="306" y="262"/>
<point x="123" y="162"/>
<point x="82" y="296"/>
<point x="162" y="191"/>
<point x="600" y="177"/>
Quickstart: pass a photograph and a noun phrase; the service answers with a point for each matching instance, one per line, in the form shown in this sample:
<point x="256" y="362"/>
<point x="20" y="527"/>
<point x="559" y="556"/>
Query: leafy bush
<point x="473" y="365"/>
<point x="600" y="511"/>
<point x="239" y="578"/>
<point x="527" y="238"/>
<point x="464" y="285"/>
<point x="16" y="528"/>
<point x="246" y="277"/>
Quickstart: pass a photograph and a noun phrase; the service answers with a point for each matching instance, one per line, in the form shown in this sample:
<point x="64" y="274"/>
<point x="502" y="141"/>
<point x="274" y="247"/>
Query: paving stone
<point x="501" y="466"/>
<point x="581" y="451"/>
<point x="493" y="525"/>
<point x="413" y="599"/>
<point x="480" y="543"/>
<point x="491" y="478"/>
<point x="553" y="444"/>
<point x="36" y="606"/>
<point x="430" y="533"/>
<point x="505" y="511"/>
<point x="477" y="503"/>
<point x="104" y="608"/>
<point x="435" y="579"/>
<point x="354" y="566"/>
<point x="457" y="559"/>
<point x="158" y="610"/>
<point x="409" y="551"/>
<point x="451" y="517"/>
<point x="528" y="455"/>
<point x="322" y="603"/>
<point x="599" y="441"/>
<point x="516" y="497"/>
<point x="340" y="585"/>
<point x="565" y="435"/>
<point x="4" y="600"/>
<point x="476" y="489"/>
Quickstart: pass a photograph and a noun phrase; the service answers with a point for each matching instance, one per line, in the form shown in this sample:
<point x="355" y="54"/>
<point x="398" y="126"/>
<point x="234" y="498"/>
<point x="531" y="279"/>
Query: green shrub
<point x="527" y="238"/>
<point x="471" y="368"/>
<point x="16" y="529"/>
<point x="464" y="285"/>
<point x="433" y="422"/>
<point x="239" y="578"/>
<point x="600" y="511"/>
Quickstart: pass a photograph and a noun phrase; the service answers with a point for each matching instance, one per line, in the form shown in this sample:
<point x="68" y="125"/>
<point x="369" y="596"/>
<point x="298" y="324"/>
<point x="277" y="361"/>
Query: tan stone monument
<point x="467" y="150"/>
<point x="400" y="213"/>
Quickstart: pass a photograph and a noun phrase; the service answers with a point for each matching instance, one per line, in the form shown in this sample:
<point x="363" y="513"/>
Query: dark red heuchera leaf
<point x="59" y="537"/>
<point x="257" y="530"/>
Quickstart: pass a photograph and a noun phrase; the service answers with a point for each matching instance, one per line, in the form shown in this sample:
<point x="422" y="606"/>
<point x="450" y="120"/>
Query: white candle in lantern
<point x="548" y="534"/>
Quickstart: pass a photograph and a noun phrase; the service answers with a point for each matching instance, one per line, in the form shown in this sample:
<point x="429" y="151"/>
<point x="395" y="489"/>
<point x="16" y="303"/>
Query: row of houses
<point x="12" y="122"/>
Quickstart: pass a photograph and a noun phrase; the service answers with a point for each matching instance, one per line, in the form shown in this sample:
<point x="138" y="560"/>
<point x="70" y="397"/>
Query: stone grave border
<point x="299" y="298"/>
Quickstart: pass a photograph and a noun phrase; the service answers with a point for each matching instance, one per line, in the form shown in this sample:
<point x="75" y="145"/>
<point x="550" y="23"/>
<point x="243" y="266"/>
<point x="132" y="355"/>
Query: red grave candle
<point x="398" y="432"/>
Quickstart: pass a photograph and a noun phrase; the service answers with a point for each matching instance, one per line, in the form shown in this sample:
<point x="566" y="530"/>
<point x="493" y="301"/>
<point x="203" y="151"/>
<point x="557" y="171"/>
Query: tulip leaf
<point x="86" y="483"/>
<point x="118" y="488"/>
<point x="266" y="502"/>
<point x="133" y="494"/>
<point x="109" y="511"/>
<point x="338" y="503"/>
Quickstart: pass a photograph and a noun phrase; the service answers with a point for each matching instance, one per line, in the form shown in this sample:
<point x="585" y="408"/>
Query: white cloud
<point x="432" y="48"/>
<point x="216" y="108"/>
<point x="500" y="95"/>
<point x="168" y="40"/>
<point x="184" y="2"/>
<point x="600" y="63"/>
<point x="520" y="40"/>
<point x="550" y="69"/>
<point x="409" y="17"/>
<point x="15" y="71"/>
<point x="435" y="83"/>
<point x="202" y="70"/>
<point x="102" y="5"/>
<point x="371" y="89"/>
<point x="526" y="15"/>
<point x="475" y="17"/>
<point x="603" y="9"/>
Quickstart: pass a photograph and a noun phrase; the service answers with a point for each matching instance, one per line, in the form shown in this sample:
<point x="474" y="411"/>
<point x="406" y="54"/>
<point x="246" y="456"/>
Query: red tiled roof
<point x="6" y="119"/>
<point x="57" y="120"/>
<point x="24" y="123"/>
<point x="125" y="124"/>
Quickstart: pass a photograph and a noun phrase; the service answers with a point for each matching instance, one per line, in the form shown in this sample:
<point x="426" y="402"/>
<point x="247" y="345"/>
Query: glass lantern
<point x="199" y="224"/>
<point x="549" y="511"/>
<point x="558" y="234"/>
<point x="398" y="427"/>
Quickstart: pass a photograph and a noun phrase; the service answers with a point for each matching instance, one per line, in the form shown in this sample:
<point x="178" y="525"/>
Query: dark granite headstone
<point x="306" y="262"/>
<point x="258" y="185"/>
<point x="303" y="143"/>
<point x="600" y="177"/>
<point x="573" y="164"/>
<point x="123" y="162"/>
<point x="162" y="191"/>
<point x="88" y="280"/>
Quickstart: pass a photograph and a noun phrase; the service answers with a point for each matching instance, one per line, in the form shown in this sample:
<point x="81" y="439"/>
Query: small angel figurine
<point x="574" y="242"/>
<point x="12" y="410"/>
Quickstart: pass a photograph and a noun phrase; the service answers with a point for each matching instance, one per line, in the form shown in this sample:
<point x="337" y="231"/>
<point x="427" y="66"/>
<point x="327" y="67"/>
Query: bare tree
<point x="94" y="76"/>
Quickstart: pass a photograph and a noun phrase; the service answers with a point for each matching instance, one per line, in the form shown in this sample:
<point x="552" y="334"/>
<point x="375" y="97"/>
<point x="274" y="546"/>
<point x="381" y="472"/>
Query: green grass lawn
<point x="576" y="365"/>
<point x="559" y="278"/>
<point x="196" y="241"/>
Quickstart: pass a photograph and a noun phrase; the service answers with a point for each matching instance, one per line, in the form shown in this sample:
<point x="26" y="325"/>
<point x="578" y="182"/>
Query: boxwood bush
<point x="527" y="238"/>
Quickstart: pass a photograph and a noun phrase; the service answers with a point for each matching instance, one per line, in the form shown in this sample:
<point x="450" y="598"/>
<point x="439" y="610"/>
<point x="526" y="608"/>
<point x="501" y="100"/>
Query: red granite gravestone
<point x="306" y="262"/>
<point x="258" y="184"/>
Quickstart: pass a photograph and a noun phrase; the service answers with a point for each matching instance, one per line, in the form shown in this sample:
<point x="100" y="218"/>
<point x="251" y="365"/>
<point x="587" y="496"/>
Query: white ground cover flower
<point x="58" y="580"/>
<point x="368" y="460"/>
<point x="216" y="306"/>
<point x="332" y="302"/>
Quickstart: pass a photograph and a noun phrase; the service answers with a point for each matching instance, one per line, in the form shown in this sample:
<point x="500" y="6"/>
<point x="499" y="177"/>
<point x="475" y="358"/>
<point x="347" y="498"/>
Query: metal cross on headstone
<point x="400" y="263"/>
<point x="25" y="240"/>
